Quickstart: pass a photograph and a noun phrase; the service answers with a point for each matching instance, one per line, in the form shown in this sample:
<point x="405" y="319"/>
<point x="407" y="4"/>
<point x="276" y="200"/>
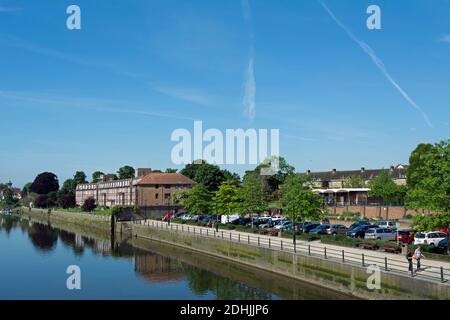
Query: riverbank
<point x="321" y="271"/>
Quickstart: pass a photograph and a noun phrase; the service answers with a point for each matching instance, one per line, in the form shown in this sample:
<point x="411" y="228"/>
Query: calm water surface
<point x="34" y="257"/>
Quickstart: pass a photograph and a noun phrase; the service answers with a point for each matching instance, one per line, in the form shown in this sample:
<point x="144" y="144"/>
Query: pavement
<point x="389" y="262"/>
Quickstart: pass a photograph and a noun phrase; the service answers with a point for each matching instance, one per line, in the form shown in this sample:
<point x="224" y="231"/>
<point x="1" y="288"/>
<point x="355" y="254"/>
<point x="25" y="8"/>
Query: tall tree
<point x="126" y="172"/>
<point x="45" y="183"/>
<point x="254" y="198"/>
<point x="25" y="190"/>
<point x="384" y="187"/>
<point x="416" y="162"/>
<point x="272" y="180"/>
<point x="197" y="200"/>
<point x="171" y="170"/>
<point x="298" y="200"/>
<point x="96" y="176"/>
<point x="429" y="179"/>
<point x="209" y="175"/>
<point x="227" y="199"/>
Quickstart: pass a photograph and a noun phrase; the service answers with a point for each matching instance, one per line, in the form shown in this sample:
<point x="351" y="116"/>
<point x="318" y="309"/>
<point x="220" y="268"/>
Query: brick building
<point x="148" y="188"/>
<point x="331" y="184"/>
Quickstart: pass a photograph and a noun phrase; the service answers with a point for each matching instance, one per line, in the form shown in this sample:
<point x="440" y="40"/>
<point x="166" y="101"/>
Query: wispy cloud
<point x="379" y="63"/>
<point x="9" y="9"/>
<point x="90" y="104"/>
<point x="445" y="38"/>
<point x="250" y="91"/>
<point x="185" y="94"/>
<point x="249" y="100"/>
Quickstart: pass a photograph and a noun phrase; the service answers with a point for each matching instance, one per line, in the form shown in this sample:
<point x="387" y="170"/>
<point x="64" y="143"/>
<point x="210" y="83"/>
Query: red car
<point x="406" y="235"/>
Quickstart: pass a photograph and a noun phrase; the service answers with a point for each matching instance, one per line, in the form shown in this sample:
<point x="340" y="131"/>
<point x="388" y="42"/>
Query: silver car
<point x="380" y="234"/>
<point x="336" y="229"/>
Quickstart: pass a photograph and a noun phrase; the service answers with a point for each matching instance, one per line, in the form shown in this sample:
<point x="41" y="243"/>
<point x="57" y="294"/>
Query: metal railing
<point x="303" y="248"/>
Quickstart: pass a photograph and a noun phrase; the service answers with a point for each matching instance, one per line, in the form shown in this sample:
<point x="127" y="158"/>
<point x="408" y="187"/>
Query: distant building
<point x="332" y="185"/>
<point x="17" y="193"/>
<point x="148" y="188"/>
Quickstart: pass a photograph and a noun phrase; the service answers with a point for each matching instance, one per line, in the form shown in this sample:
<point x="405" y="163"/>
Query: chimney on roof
<point x="142" y="172"/>
<point x="363" y="169"/>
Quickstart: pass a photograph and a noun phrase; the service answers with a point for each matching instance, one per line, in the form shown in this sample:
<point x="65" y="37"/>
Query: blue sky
<point x="112" y="93"/>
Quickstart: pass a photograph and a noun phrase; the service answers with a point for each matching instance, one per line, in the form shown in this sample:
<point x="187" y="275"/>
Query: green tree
<point x="26" y="190"/>
<point x="96" y="176"/>
<point x="254" y="198"/>
<point x="417" y="162"/>
<point x="171" y="170"/>
<point x="272" y="180"/>
<point x="209" y="175"/>
<point x="126" y="172"/>
<point x="197" y="200"/>
<point x="354" y="181"/>
<point x="8" y="201"/>
<point x="298" y="200"/>
<point x="227" y="199"/>
<point x="384" y="187"/>
<point x="429" y="179"/>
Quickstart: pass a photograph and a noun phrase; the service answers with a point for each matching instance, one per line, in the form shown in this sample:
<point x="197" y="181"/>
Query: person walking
<point x="418" y="255"/>
<point x="409" y="257"/>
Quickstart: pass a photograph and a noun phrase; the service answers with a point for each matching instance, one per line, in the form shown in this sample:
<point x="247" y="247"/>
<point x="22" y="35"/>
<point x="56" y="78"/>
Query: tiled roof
<point x="164" y="178"/>
<point x="366" y="174"/>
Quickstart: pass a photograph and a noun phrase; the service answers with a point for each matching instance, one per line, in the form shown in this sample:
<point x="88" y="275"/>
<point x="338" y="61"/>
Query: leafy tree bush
<point x="89" y="205"/>
<point x="45" y="183"/>
<point x="67" y="201"/>
<point x="41" y="201"/>
<point x="126" y="172"/>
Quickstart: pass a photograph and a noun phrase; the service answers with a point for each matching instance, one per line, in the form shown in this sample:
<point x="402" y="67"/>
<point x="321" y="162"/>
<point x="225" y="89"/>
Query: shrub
<point x="408" y="216"/>
<point x="88" y="205"/>
<point x="41" y="201"/>
<point x="67" y="201"/>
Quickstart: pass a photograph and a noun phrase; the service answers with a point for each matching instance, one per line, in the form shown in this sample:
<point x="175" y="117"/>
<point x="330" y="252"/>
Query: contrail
<point x="249" y="100"/>
<point x="379" y="63"/>
<point x="250" y="90"/>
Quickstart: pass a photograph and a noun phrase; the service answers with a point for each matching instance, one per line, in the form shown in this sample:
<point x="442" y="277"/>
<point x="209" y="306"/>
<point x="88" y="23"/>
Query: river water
<point x="34" y="258"/>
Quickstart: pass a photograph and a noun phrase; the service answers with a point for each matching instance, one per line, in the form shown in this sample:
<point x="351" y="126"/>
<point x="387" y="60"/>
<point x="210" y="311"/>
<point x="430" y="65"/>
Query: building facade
<point x="147" y="189"/>
<point x="332" y="185"/>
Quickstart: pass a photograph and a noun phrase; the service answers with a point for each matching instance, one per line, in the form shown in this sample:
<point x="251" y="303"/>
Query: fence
<point x="360" y="259"/>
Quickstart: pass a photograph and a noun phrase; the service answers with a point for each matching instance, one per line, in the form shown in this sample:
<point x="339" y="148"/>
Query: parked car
<point x="267" y="224"/>
<point x="359" y="224"/>
<point x="242" y="221"/>
<point x="309" y="226"/>
<point x="336" y="229"/>
<point x="186" y="217"/>
<point x="406" y="235"/>
<point x="380" y="234"/>
<point x="283" y="225"/>
<point x="443" y="245"/>
<point x="430" y="238"/>
<point x="320" y="229"/>
<point x="359" y="231"/>
<point x="387" y="224"/>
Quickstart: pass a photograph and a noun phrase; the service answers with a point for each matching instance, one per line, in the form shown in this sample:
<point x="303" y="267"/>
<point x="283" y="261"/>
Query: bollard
<point x="442" y="274"/>
<point x="230" y="236"/>
<point x="248" y="239"/>
<point x="363" y="264"/>
<point x="309" y="249"/>
<point x="222" y="234"/>
<point x="239" y="237"/>
<point x="269" y="242"/>
<point x="385" y="264"/>
<point x="295" y="247"/>
<point x="281" y="245"/>
<point x="343" y="256"/>
<point x="258" y="242"/>
<point x="325" y="252"/>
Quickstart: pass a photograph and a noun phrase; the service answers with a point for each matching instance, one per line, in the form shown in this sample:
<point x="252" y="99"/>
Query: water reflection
<point x="159" y="264"/>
